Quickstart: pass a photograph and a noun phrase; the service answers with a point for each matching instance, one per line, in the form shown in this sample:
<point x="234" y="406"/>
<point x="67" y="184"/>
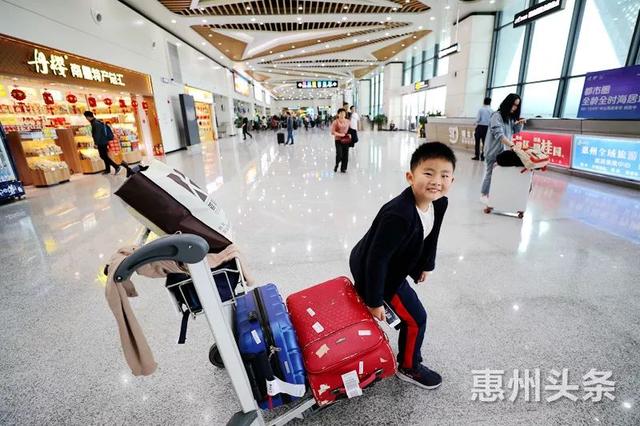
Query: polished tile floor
<point x="556" y="290"/>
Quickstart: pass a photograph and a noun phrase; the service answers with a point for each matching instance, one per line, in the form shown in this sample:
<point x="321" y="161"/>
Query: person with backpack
<point x="102" y="135"/>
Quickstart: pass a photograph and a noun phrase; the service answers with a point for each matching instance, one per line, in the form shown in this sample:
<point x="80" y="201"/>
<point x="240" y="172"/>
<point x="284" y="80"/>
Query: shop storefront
<point x="43" y="95"/>
<point x="422" y="102"/>
<point x="205" y="113"/>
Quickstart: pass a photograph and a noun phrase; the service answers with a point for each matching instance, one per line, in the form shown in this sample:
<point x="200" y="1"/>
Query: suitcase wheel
<point x="214" y="356"/>
<point x="520" y="215"/>
<point x="488" y="210"/>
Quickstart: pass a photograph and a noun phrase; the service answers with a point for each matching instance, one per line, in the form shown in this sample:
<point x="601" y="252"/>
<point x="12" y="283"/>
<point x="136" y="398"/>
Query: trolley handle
<point x="185" y="248"/>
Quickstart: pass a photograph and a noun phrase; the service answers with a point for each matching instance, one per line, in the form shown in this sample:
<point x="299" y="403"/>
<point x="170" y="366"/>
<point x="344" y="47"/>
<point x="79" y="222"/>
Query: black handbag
<point x="509" y="159"/>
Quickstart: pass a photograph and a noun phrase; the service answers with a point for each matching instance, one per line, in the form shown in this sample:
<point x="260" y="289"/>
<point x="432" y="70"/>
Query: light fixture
<point x="248" y="7"/>
<point x="253" y="19"/>
<point x="433" y="18"/>
<point x="386" y="34"/>
<point x="388" y="18"/>
<point x="348" y="34"/>
<point x="221" y="57"/>
<point x="447" y="7"/>
<point x="178" y="44"/>
<point x="326" y="45"/>
<point x="204" y="21"/>
<point x="203" y="43"/>
<point x="355" y="40"/>
<point x="300" y="8"/>
<point x="173" y="21"/>
<point x="344" y="18"/>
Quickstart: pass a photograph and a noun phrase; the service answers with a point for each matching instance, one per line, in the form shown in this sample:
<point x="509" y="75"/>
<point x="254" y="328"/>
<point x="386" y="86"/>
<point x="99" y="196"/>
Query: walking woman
<point x="245" y="129"/>
<point x="340" y="131"/>
<point x="503" y="125"/>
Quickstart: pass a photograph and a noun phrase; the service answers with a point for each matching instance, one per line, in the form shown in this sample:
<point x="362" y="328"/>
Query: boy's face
<point x="431" y="179"/>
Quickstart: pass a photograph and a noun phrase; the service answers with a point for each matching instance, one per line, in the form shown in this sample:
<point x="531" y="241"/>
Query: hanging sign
<point x="419" y="85"/>
<point x="454" y="48"/>
<point x="317" y="84"/>
<point x="538" y="11"/>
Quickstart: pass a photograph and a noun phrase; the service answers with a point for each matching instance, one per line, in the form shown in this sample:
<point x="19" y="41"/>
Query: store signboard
<point x="538" y="11"/>
<point x="556" y="145"/>
<point x="611" y="94"/>
<point x="317" y="84"/>
<point x="615" y="157"/>
<point x="61" y="66"/>
<point x="241" y="85"/>
<point x="199" y="95"/>
<point x="23" y="59"/>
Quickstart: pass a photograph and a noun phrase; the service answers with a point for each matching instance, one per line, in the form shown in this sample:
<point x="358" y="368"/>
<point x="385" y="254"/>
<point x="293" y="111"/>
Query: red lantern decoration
<point x="134" y="103"/>
<point x="71" y="98"/>
<point x="122" y="103"/>
<point x="92" y="101"/>
<point x="48" y="98"/>
<point x="18" y="95"/>
<point x="145" y="105"/>
<point x="107" y="101"/>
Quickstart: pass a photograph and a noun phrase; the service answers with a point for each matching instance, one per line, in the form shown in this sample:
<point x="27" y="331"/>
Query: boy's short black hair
<point x="487" y="101"/>
<point x="88" y="114"/>
<point x="430" y="150"/>
<point x="341" y="110"/>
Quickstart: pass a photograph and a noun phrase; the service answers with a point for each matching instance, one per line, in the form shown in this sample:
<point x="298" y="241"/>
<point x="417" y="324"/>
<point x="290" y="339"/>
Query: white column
<point x="468" y="69"/>
<point x="391" y="93"/>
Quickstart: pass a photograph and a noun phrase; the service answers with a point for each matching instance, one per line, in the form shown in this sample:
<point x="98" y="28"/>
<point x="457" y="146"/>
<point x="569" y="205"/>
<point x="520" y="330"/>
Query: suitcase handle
<point x="373" y="377"/>
<point x="186" y="248"/>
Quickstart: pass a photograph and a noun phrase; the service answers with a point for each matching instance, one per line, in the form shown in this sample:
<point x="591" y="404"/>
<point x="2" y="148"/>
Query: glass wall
<point x="600" y="40"/>
<point x="377" y="87"/>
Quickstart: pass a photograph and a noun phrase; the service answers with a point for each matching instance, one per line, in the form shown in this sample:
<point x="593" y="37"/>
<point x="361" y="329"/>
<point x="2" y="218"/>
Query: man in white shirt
<point x="353" y="127"/>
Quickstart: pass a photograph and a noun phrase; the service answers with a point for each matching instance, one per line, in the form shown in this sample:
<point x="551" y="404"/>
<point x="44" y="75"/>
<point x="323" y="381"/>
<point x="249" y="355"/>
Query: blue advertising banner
<point x="611" y="94"/>
<point x="607" y="156"/>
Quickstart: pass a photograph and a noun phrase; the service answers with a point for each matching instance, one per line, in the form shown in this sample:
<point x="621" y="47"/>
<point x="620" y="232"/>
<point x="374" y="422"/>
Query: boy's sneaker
<point x="420" y="376"/>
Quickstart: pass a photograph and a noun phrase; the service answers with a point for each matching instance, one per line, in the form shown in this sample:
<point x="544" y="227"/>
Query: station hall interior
<point x="290" y="126"/>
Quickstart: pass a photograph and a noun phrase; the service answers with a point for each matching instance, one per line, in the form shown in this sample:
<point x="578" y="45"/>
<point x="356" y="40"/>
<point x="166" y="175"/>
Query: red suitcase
<point x="338" y="336"/>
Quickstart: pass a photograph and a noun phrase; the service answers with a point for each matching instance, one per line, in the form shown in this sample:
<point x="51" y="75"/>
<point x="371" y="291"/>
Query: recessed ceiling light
<point x="253" y="19"/>
<point x="300" y="8"/>
<point x="386" y="34"/>
<point x="271" y="51"/>
<point x="420" y="27"/>
<point x="203" y="43"/>
<point x="318" y="41"/>
<point x="178" y="44"/>
<point x="204" y="21"/>
<point x="355" y="40"/>
<point x="402" y="44"/>
<point x="447" y="7"/>
<point x="201" y="58"/>
<point x="173" y="21"/>
<point x="221" y="57"/>
<point x="348" y="34"/>
<point x="388" y="18"/>
<point x="282" y="56"/>
<point x="326" y="45"/>
<point x="210" y="35"/>
<point x="393" y="51"/>
<point x="344" y="18"/>
<point x="248" y="7"/>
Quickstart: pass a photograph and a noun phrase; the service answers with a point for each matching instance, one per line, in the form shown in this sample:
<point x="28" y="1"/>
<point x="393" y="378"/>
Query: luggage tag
<point x="352" y="384"/>
<point x="277" y="386"/>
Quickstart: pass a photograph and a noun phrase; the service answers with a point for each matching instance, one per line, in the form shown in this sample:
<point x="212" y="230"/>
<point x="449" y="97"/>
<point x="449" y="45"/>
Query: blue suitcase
<point x="268" y="344"/>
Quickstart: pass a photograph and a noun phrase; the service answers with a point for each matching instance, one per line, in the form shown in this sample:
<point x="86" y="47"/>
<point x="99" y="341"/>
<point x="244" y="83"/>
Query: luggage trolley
<point x="199" y="295"/>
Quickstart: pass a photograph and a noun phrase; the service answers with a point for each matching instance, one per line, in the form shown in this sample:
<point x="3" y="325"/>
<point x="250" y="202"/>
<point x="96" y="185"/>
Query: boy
<point x="402" y="241"/>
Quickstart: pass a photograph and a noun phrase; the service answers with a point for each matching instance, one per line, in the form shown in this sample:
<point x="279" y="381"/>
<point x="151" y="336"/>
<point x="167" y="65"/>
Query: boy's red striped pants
<point x="408" y="307"/>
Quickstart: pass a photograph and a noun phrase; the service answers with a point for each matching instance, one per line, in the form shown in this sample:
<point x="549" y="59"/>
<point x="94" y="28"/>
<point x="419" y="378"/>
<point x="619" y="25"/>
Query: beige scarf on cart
<point x="136" y="350"/>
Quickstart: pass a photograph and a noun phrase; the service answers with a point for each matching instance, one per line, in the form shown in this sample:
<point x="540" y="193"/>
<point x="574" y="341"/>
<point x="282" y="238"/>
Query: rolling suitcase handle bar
<point x="184" y="248"/>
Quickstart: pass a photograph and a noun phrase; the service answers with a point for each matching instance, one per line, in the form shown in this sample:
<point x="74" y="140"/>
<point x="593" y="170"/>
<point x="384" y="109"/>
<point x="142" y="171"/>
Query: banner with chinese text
<point x="611" y="94"/>
<point x="556" y="145"/>
<point x="608" y="156"/>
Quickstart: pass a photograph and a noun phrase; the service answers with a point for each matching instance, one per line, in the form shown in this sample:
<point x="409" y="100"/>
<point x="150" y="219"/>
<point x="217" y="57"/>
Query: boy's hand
<point x="378" y="313"/>
<point x="423" y="276"/>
